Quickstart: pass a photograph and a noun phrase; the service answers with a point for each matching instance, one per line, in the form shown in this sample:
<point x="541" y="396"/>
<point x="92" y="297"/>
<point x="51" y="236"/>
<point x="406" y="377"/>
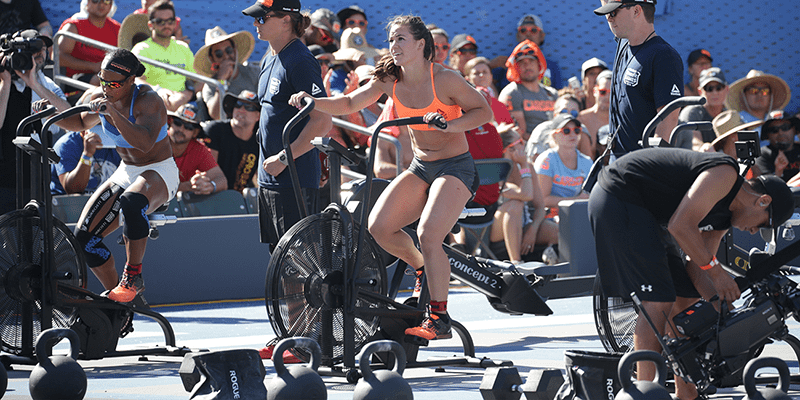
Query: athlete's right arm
<point x="85" y="120"/>
<point x="343" y="105"/>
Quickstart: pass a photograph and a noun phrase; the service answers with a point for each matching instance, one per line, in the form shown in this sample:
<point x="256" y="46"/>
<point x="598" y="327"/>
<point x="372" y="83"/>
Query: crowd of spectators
<point x="558" y="125"/>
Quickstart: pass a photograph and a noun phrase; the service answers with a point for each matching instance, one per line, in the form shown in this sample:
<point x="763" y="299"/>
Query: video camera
<point x="17" y="49"/>
<point x="717" y="345"/>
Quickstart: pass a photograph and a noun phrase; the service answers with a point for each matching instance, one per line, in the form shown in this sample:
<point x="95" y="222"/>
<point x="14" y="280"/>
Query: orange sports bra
<point x="448" y="112"/>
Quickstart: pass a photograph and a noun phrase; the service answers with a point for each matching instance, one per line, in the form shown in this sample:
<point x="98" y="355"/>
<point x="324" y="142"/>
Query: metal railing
<point x="106" y="47"/>
<point x="364" y="131"/>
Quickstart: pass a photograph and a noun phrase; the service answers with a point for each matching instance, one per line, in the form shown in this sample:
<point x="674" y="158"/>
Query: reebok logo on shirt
<point x="315" y="89"/>
<point x="675" y="91"/>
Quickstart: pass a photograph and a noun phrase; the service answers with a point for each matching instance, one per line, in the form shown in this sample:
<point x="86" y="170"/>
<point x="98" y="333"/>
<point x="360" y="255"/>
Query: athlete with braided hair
<point x="135" y="117"/>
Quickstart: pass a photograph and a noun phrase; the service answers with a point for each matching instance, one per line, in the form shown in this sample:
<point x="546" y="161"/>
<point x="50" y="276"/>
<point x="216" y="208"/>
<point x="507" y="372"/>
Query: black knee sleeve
<point x="96" y="252"/>
<point x="134" y="208"/>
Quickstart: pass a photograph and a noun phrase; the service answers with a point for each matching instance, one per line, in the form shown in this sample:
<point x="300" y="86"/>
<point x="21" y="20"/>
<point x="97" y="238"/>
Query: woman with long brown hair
<point x="442" y="176"/>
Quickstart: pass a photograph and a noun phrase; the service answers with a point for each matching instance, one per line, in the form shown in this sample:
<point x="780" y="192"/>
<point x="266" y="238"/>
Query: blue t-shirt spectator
<point x="70" y="147"/>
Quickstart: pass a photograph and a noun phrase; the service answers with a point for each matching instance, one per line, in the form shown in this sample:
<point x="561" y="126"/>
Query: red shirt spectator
<point x="106" y="32"/>
<point x="484" y="142"/>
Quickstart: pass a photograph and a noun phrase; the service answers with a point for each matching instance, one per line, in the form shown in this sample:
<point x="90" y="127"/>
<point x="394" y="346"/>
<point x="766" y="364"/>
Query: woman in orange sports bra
<point x="442" y="176"/>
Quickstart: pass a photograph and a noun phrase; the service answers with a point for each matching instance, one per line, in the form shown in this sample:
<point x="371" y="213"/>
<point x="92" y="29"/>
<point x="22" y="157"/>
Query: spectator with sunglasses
<point x="441" y="44"/>
<point x="527" y="99"/>
<point x="178" y="29"/>
<point x="530" y="27"/>
<point x="80" y="61"/>
<point x="713" y="86"/>
<point x="562" y="169"/>
<point x="758" y="94"/>
<point x="198" y="170"/>
<point x="175" y="89"/>
<point x="321" y="31"/>
<point x="781" y="156"/>
<point x="222" y="58"/>
<point x="233" y="142"/>
<point x="462" y="49"/>
<point x="596" y="116"/>
<point x="353" y="16"/>
<point x="647" y="74"/>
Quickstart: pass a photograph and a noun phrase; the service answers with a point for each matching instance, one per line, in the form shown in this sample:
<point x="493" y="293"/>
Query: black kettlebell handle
<point x="301" y="342"/>
<point x="626" y="365"/>
<point x="381" y="346"/>
<point x="48" y="338"/>
<point x="754" y="365"/>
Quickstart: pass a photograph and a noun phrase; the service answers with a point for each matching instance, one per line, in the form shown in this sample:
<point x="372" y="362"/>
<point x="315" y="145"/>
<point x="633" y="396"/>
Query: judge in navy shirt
<point x="288" y="68"/>
<point x="647" y="74"/>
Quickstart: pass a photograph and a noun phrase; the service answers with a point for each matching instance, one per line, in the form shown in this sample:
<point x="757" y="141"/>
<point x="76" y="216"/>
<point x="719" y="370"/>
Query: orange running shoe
<point x="432" y="327"/>
<point x="127" y="289"/>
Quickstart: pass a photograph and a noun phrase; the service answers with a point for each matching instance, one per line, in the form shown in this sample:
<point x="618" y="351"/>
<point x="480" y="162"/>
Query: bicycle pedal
<point x="416" y="340"/>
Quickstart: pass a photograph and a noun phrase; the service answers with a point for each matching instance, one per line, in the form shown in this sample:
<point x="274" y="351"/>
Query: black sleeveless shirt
<point x="658" y="179"/>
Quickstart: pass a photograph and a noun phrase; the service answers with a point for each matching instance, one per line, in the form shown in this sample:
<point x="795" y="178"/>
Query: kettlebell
<point x="383" y="384"/>
<point x="298" y="381"/>
<point x="57" y="377"/>
<point x="749" y="378"/>
<point x="642" y="390"/>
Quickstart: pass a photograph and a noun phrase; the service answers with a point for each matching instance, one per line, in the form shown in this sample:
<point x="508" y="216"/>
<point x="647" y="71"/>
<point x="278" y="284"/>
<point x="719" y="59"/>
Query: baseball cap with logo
<point x="262" y="7"/>
<point x="712" y="74"/>
<point x="696" y="54"/>
<point x="230" y="100"/>
<point x="188" y="113"/>
<point x="612" y="5"/>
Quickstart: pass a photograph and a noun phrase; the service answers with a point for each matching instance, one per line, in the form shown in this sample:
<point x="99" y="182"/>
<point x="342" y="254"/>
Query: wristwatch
<point x="283" y="158"/>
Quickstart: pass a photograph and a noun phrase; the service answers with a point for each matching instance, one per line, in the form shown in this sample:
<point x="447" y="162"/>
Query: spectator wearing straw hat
<point x="222" y="58"/>
<point x="233" y="142"/>
<point x="755" y="95"/>
<point x="198" y="171"/>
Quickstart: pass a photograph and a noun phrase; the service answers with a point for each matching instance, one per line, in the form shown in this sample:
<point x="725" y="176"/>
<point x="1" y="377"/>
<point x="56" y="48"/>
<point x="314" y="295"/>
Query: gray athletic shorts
<point x="461" y="167"/>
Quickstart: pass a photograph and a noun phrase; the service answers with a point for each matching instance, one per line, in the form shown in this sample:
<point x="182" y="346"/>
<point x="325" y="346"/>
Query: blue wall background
<point x="741" y="35"/>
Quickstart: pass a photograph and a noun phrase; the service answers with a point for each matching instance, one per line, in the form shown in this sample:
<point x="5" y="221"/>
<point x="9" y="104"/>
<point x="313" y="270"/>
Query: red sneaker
<point x="127" y="289"/>
<point x="432" y="327"/>
<point x="288" y="357"/>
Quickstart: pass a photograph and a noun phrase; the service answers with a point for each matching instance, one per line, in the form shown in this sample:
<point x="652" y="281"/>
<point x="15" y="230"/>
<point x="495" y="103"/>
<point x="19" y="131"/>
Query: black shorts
<point x="461" y="166"/>
<point x="278" y="211"/>
<point x="635" y="253"/>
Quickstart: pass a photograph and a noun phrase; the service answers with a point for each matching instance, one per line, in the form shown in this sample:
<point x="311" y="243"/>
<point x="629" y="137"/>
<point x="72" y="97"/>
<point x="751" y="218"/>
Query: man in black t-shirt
<point x="233" y="142"/>
<point x="647" y="73"/>
<point x="652" y="208"/>
<point x="18" y="15"/>
<point x="782" y="156"/>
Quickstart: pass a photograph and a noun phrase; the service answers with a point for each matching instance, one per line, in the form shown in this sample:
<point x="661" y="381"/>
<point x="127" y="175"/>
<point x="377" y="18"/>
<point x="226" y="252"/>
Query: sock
<point x="439" y="307"/>
<point x="133" y="269"/>
<point x="417" y="281"/>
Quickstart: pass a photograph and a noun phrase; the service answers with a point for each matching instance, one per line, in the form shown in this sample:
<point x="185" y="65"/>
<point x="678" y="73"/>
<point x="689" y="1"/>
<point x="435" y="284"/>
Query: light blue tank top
<point x="114" y="134"/>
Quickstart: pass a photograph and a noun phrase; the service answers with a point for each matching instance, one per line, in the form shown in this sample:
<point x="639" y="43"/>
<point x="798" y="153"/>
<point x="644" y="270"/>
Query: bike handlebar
<point x="298" y="194"/>
<point x="33" y="118"/>
<point x="68" y="113"/>
<point x="668" y="109"/>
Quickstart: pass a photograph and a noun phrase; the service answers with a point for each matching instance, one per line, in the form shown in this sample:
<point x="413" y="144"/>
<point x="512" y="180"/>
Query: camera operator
<point x="653" y="208"/>
<point x="22" y="83"/>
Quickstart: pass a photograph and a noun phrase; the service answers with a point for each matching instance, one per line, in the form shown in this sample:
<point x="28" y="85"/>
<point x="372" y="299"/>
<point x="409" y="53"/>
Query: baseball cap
<point x="712" y="74"/>
<point x="782" y="206"/>
<point x="262" y="7"/>
<point x="531" y="19"/>
<point x="780" y="115"/>
<point x="462" y="40"/>
<point x="592" y="63"/>
<point x="347" y="12"/>
<point x="615" y="4"/>
<point x="188" y="113"/>
<point x="563" y="119"/>
<point x="229" y="101"/>
<point x="324" y="18"/>
<point x="696" y="54"/>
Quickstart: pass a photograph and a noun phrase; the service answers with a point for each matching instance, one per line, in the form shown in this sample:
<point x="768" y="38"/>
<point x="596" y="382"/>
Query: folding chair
<point x="490" y="170"/>
<point x="226" y="202"/>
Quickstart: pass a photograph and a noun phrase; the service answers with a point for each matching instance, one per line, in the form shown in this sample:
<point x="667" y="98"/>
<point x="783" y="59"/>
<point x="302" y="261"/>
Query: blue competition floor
<point x="530" y="342"/>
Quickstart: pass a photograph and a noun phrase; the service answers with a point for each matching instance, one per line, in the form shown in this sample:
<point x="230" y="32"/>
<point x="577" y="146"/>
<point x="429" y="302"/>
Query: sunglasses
<point x="526" y="53"/>
<point x="514" y="143"/>
<point x="160" y="21"/>
<point x="603" y="92"/>
<point x="442" y="47"/>
<point x="102" y="1"/>
<point x="351" y="23"/>
<point x="228" y="50"/>
<point x="525" y="29"/>
<point x="467" y="51"/>
<point x="576" y="130"/>
<point x="614" y="13"/>
<point x="179" y="123"/>
<point x="713" y="88"/>
<point x="111" y="84"/>
<point x="777" y="128"/>
<point x="764" y="91"/>
<point x="263" y="20"/>
<point x="246" y="106"/>
<point x="574" y="113"/>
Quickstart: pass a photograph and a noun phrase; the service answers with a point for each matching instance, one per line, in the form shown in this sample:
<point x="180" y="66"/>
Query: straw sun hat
<point x="244" y="41"/>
